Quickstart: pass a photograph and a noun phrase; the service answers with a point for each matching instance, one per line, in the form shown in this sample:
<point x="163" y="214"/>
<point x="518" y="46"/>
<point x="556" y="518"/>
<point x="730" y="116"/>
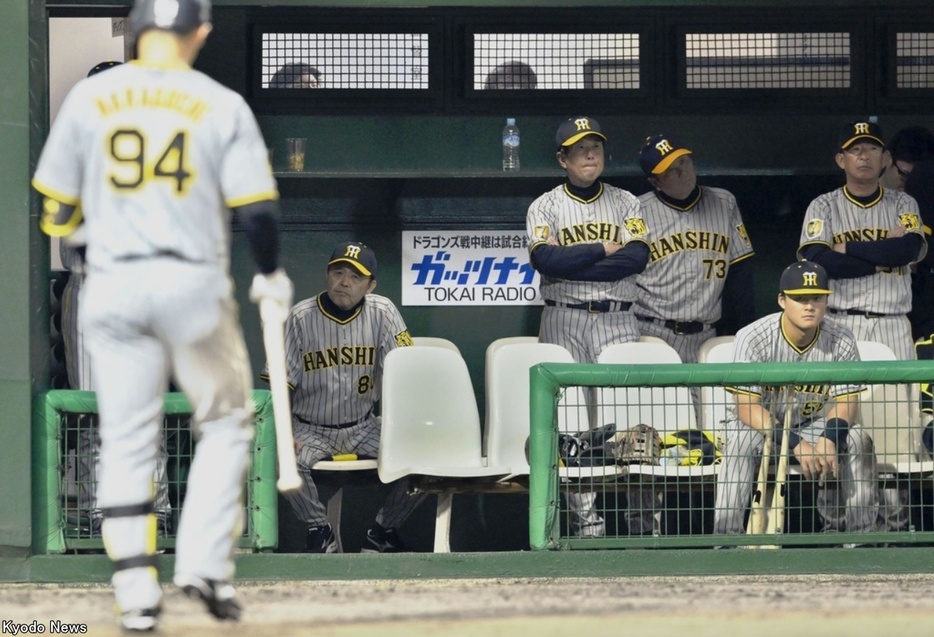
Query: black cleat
<point x="382" y="540"/>
<point x="219" y="598"/>
<point x="320" y="539"/>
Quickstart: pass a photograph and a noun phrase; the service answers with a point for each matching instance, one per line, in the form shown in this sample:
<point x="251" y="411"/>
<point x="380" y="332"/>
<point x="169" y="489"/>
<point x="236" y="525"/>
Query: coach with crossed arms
<point x="587" y="239"/>
<point x="336" y="343"/>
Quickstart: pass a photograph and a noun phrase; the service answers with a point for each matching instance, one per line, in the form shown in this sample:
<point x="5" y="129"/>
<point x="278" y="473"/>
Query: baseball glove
<point x="640" y="445"/>
<point x="586" y="448"/>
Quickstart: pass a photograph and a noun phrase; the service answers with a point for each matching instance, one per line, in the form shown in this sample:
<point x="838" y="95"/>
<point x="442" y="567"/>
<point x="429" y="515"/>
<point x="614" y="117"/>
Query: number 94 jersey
<point x="156" y="157"/>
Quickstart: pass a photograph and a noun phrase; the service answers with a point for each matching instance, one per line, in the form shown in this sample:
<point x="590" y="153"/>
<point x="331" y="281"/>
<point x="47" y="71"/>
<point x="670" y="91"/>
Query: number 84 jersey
<point x="140" y="148"/>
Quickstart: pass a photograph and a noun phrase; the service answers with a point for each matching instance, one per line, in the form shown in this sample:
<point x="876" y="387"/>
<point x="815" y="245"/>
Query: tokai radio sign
<point x="468" y="267"/>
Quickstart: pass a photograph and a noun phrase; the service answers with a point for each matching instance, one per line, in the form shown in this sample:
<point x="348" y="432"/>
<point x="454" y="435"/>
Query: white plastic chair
<point x="645" y="338"/>
<point x="667" y="409"/>
<point x="715" y="399"/>
<point x="431" y="428"/>
<point x="435" y="341"/>
<point x="703" y="352"/>
<point x="507" y="400"/>
<point x="890" y="414"/>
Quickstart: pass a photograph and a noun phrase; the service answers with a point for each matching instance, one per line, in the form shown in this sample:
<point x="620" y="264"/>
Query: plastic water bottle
<point x="672" y="456"/>
<point x="511" y="146"/>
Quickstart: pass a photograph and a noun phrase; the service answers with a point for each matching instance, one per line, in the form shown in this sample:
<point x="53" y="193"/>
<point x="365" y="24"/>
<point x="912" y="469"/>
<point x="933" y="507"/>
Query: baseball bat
<point x="274" y="341"/>
<point x="756" y="523"/>
<point x="777" y="517"/>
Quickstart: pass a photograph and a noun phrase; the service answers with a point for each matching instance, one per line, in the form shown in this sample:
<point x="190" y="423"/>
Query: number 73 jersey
<point x="156" y="158"/>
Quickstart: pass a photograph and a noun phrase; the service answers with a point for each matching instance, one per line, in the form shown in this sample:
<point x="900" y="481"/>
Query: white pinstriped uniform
<point x="835" y="217"/>
<point x="690" y="253"/>
<point x="335" y="369"/>
<point x="852" y="507"/>
<point x="78" y="370"/>
<point x="157" y="158"/>
<point x="613" y="217"/>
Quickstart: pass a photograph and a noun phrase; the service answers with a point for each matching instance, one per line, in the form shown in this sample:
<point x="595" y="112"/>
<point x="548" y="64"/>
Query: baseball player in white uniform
<point x="587" y="239"/>
<point x="152" y="156"/>
<point x="336" y="343"/>
<point x="830" y="446"/>
<point x="78" y="371"/>
<point x="867" y="237"/>
<point x="698" y="253"/>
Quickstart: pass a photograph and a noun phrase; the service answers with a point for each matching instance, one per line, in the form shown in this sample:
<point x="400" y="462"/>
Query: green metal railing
<point x="549" y="380"/>
<point x="55" y="531"/>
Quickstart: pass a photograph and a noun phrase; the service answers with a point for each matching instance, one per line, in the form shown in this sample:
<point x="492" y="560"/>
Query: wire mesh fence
<point x="66" y="446"/>
<point x="660" y="466"/>
<point x="768" y="60"/>
<point x="914" y="60"/>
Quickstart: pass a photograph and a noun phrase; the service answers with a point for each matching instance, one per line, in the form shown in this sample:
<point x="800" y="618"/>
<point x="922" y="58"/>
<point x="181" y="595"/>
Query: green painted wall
<point x="372" y="177"/>
<point x="19" y="306"/>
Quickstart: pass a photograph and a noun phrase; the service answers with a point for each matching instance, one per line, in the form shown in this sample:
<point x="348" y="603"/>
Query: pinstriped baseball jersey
<point x="336" y="366"/>
<point x="836" y="217"/>
<point x="167" y="141"/>
<point x="764" y="341"/>
<point x="613" y="217"/>
<point x="690" y="251"/>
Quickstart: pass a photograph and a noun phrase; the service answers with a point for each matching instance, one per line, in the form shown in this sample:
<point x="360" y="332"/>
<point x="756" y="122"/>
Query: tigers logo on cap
<point x="659" y="152"/>
<point x="575" y="129"/>
<point x="860" y="131"/>
<point x="360" y="256"/>
<point x="805" y="277"/>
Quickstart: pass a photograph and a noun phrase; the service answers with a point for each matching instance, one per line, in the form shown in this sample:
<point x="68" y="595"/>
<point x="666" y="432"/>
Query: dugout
<point x="419" y="149"/>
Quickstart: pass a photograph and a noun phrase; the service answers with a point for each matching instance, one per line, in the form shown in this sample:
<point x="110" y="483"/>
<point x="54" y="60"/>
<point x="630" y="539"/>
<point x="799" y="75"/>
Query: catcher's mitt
<point x="639" y="445"/>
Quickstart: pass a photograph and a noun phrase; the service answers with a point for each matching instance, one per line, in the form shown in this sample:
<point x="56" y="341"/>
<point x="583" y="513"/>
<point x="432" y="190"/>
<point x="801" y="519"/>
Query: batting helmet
<point x="179" y="16"/>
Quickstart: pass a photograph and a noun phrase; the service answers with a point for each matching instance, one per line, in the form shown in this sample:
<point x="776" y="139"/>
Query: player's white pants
<point x="849" y="503"/>
<point x="322" y="443"/>
<point x="145" y="320"/>
<point x="78" y="368"/>
<point x="894" y="331"/>
<point x="586" y="334"/>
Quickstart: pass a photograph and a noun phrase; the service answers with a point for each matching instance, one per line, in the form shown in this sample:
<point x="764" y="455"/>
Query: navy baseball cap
<point x="356" y="254"/>
<point x="856" y="131"/>
<point x="659" y="152"/>
<point x="805" y="277"/>
<point x="575" y="129"/>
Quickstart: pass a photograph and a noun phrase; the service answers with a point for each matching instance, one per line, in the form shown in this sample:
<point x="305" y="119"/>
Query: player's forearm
<point x="59" y="219"/>
<point x="838" y="266"/>
<point x="753" y="414"/>
<point x="845" y="407"/>
<point x="564" y="262"/>
<point x="887" y="252"/>
<point x="260" y="220"/>
<point x="625" y="262"/>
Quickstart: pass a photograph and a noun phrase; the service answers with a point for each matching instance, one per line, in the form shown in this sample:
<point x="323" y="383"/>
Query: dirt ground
<point x="850" y="606"/>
